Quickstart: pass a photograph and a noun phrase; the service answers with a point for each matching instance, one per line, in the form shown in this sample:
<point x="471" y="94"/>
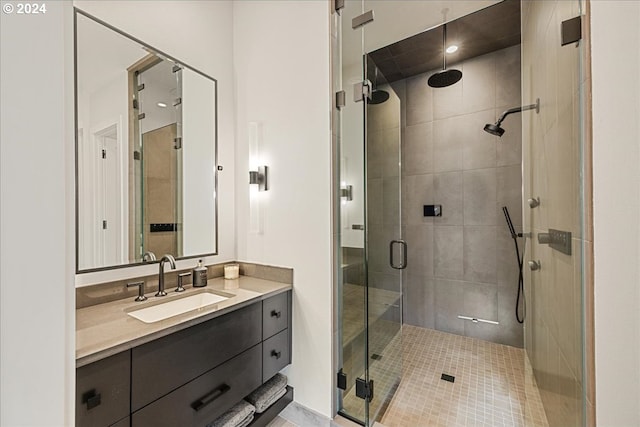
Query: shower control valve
<point x="557" y="239"/>
<point x="534" y="265"/>
<point x="534" y="203"/>
<point x="544" y="238"/>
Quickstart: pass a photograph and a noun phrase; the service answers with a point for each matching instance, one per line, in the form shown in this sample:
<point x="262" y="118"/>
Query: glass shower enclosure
<point x="368" y="240"/>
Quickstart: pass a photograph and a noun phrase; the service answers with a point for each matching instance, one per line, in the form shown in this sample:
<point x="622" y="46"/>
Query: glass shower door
<point x="350" y="230"/>
<point x="385" y="250"/>
<point x="554" y="150"/>
<point x="371" y="252"/>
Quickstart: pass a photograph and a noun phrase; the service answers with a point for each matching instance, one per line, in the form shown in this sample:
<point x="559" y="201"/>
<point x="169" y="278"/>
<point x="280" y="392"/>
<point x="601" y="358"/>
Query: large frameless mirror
<point x="146" y="144"/>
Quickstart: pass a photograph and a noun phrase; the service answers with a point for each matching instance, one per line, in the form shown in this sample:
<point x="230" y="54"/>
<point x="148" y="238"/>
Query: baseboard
<point x="303" y="416"/>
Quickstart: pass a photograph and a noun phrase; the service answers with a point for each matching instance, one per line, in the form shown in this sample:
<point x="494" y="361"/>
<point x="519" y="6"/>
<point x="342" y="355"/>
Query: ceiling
<point x="395" y="20"/>
<point x="487" y="30"/>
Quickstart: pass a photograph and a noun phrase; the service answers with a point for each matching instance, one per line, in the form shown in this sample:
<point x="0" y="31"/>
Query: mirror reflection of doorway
<point x="105" y="239"/>
<point x="110" y="190"/>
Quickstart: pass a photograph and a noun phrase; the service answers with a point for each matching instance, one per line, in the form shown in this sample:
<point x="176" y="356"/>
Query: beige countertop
<point x="106" y="329"/>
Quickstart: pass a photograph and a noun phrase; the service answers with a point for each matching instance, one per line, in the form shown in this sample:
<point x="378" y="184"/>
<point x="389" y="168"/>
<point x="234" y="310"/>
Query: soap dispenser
<point x="199" y="276"/>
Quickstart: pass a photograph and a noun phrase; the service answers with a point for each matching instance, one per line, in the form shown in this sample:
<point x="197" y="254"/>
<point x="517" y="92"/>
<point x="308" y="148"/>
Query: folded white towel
<point x="236" y="416"/>
<point x="266" y="395"/>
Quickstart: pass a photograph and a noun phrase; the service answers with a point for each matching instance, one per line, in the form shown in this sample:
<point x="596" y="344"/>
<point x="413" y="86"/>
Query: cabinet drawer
<point x="163" y="365"/>
<point x="275" y="354"/>
<point x="275" y="314"/>
<point x="208" y="396"/>
<point x="102" y="391"/>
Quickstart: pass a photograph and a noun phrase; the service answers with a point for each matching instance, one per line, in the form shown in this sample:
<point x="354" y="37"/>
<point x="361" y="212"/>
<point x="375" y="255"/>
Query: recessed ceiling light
<point x="452" y="48"/>
<point x="162" y="105"/>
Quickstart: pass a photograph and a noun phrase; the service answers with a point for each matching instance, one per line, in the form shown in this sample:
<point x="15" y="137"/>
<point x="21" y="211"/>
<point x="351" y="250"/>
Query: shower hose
<point x="520" y="260"/>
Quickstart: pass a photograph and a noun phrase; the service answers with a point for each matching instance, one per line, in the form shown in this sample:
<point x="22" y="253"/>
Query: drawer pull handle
<point x="91" y="399"/>
<point x="276" y="354"/>
<point x="207" y="399"/>
<point x="276" y="314"/>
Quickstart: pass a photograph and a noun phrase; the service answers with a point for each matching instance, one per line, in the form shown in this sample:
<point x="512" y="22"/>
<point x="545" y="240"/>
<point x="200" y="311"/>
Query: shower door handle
<point x="403" y="264"/>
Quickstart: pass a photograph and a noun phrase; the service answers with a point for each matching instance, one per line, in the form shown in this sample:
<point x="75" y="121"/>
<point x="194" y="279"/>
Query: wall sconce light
<point x="260" y="177"/>
<point x="346" y="193"/>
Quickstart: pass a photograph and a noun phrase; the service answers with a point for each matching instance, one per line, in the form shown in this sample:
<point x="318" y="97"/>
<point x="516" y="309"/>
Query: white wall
<point x="37" y="318"/>
<point x="616" y="176"/>
<point x="198" y="160"/>
<point x="281" y="51"/>
<point x="200" y="34"/>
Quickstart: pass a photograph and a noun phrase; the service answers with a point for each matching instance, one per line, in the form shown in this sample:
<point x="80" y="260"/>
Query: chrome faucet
<point x="148" y="256"/>
<point x="164" y="259"/>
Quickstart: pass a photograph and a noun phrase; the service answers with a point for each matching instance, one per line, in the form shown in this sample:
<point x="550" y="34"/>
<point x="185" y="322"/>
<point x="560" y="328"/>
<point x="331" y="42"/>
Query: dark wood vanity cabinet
<point x="275" y="354"/>
<point x="125" y="422"/>
<point x="275" y="315"/>
<point x="275" y="334"/>
<point x="163" y="365"/>
<point x="102" y="391"/>
<point x="204" y="399"/>
<point x="190" y="377"/>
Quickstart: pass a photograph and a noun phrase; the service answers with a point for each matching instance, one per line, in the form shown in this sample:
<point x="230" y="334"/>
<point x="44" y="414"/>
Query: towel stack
<point x="240" y="415"/>
<point x="268" y="393"/>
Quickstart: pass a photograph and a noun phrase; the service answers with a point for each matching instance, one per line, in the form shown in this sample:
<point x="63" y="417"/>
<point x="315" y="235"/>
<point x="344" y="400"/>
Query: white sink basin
<point x="175" y="307"/>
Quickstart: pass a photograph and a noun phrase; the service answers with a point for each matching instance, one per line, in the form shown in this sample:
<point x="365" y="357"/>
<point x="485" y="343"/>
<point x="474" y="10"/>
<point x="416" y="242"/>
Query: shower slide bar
<point x="476" y="320"/>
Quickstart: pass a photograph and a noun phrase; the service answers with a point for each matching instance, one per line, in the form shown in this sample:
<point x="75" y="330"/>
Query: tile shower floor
<point x="385" y="371"/>
<point x="384" y="341"/>
<point x="494" y="384"/>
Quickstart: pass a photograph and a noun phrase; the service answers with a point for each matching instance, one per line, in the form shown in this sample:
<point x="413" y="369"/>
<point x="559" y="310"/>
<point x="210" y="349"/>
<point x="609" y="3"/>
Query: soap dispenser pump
<point x="199" y="276"/>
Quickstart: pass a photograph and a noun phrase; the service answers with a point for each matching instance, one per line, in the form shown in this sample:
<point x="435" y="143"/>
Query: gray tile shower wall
<point x="462" y="263"/>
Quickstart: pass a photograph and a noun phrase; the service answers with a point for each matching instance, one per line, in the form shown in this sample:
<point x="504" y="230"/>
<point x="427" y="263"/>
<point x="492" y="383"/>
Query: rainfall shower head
<point x="378" y="96"/>
<point x="445" y="77"/>
<point x="496" y="130"/>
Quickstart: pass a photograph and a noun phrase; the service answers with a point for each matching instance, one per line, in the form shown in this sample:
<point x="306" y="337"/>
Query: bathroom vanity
<point x="182" y="358"/>
<point x="185" y="370"/>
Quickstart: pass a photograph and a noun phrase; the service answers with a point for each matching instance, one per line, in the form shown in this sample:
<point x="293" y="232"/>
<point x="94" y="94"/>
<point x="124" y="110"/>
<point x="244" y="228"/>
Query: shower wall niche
<point x="462" y="263"/>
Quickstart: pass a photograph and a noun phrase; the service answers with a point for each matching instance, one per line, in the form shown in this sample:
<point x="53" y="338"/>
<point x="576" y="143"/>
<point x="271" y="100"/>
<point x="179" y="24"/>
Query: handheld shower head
<point x="497" y="130"/>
